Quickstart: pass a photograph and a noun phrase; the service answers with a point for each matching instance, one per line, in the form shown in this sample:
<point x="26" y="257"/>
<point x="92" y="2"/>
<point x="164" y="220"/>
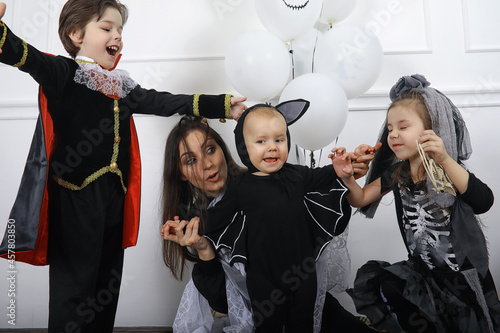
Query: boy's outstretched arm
<point x="2" y="12"/>
<point x="358" y="196"/>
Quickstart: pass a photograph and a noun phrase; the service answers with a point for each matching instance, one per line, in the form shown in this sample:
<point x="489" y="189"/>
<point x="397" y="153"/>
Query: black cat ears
<point x="291" y="110"/>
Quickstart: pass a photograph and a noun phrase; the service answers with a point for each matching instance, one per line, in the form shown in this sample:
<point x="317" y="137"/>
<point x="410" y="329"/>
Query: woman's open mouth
<point x="213" y="177"/>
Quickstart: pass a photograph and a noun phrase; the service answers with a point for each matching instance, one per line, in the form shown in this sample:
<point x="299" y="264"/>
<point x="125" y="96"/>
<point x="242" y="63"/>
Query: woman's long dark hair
<point x="181" y="198"/>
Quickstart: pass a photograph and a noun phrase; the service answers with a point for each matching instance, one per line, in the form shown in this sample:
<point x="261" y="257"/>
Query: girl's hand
<point x="363" y="155"/>
<point x="341" y="161"/>
<point x="237" y="107"/>
<point x="434" y="146"/>
<point x="173" y="230"/>
<point x="368" y="150"/>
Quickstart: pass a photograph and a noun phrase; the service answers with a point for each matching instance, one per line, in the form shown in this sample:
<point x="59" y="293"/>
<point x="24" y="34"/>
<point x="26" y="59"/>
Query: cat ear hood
<point x="290" y="110"/>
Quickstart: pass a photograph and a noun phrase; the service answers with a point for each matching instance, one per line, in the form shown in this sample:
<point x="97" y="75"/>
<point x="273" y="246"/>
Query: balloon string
<point x="313" y="162"/>
<point x="314" y="51"/>
<point x="290" y="49"/>
<point x="316" y="42"/>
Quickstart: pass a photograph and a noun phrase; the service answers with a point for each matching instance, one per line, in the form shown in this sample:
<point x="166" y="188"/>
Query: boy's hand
<point x="342" y="162"/>
<point x="2" y="9"/>
<point x="237" y="107"/>
<point x="2" y="12"/>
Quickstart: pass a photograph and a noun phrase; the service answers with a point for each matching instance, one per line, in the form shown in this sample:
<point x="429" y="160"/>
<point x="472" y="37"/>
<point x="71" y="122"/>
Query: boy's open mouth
<point x="112" y="50"/>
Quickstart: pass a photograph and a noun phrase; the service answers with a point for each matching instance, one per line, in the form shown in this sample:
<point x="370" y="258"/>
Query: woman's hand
<point x="237" y="107"/>
<point x="173" y="230"/>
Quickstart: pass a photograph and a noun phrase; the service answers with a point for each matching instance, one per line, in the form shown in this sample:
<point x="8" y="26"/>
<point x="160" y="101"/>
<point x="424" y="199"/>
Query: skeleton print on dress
<point x="427" y="229"/>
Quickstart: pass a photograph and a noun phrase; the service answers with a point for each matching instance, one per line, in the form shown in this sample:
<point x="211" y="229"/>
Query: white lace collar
<point x="115" y="84"/>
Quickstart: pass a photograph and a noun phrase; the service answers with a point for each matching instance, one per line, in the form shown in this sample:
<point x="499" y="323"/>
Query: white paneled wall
<point x="179" y="46"/>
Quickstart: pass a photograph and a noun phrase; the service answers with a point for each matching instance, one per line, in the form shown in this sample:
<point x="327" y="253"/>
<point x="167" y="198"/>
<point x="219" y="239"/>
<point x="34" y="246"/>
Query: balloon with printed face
<point x="336" y="10"/>
<point x="351" y="55"/>
<point x="258" y="65"/>
<point x="288" y="19"/>
<point x="327" y="113"/>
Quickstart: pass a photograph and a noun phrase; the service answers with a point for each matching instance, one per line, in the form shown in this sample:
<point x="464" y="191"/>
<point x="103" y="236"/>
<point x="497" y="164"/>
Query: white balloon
<point x="327" y="113"/>
<point x="336" y="10"/>
<point x="258" y="65"/>
<point x="288" y="19"/>
<point x="303" y="50"/>
<point x="351" y="55"/>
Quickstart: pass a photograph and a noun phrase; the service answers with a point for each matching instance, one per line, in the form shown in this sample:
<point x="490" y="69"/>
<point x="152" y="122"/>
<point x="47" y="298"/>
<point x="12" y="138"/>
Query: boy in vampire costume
<point x="85" y="157"/>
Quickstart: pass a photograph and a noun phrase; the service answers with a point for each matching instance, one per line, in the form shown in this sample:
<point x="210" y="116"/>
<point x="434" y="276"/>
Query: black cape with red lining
<point x="26" y="236"/>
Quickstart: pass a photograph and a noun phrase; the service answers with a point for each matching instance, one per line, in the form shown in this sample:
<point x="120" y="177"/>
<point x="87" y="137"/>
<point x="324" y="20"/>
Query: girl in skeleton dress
<point x="445" y="285"/>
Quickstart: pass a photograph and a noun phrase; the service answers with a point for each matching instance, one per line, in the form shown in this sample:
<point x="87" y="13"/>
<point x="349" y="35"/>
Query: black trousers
<point x="277" y="306"/>
<point x="85" y="256"/>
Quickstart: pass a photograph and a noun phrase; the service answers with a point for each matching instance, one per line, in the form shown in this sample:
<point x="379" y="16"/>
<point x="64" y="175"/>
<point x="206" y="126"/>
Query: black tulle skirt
<point x="446" y="298"/>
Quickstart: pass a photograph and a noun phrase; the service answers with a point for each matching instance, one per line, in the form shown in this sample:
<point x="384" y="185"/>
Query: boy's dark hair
<point x="76" y="14"/>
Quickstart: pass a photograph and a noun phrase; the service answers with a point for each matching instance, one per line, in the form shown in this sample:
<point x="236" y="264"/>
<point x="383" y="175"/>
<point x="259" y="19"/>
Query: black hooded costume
<point x="278" y="225"/>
